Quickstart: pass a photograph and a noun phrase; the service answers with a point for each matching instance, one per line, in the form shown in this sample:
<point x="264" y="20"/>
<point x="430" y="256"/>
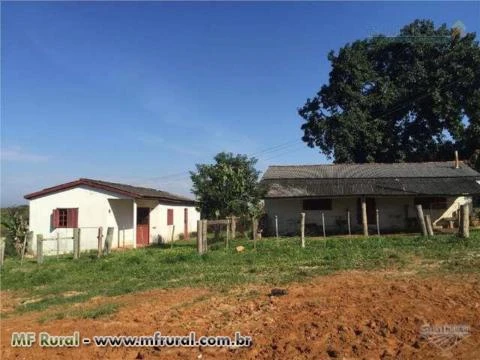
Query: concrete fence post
<point x="276" y="226"/>
<point x="364" y="216"/>
<point x="108" y="240"/>
<point x="377" y="217"/>
<point x="40" y="249"/>
<point x="428" y="223"/>
<point x="76" y="243"/>
<point x="199" y="237"/>
<point x="100" y="242"/>
<point x="465" y="221"/>
<point x="421" y="220"/>
<point x="348" y="223"/>
<point x="302" y="229"/>
<point x="2" y="250"/>
<point x="323" y="225"/>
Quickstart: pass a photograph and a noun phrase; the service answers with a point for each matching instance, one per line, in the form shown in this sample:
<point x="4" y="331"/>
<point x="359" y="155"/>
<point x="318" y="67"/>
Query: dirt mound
<point x="345" y="316"/>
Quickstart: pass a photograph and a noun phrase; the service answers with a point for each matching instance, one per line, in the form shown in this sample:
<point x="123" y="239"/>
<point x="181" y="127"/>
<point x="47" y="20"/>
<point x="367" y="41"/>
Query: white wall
<point x="159" y="230"/>
<point x="100" y="208"/>
<point x="94" y="210"/>
<point x="392" y="213"/>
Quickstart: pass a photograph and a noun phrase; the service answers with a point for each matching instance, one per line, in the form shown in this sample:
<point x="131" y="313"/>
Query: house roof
<point x="136" y="192"/>
<point x="431" y="178"/>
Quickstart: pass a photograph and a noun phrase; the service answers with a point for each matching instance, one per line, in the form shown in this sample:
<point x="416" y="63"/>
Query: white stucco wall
<point x="160" y="232"/>
<point x="94" y="210"/>
<point x="392" y="213"/>
<point x="100" y="208"/>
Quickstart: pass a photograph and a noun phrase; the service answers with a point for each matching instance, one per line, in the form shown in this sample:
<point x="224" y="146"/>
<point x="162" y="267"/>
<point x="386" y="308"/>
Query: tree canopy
<point x="414" y="97"/>
<point x="227" y="187"/>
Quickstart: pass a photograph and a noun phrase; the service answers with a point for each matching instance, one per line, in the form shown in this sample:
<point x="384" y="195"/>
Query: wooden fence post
<point x="465" y="223"/>
<point x="234" y="227"/>
<point x="276" y="226"/>
<point x="40" y="248"/>
<point x="205" y="236"/>
<point x="428" y="222"/>
<point x="348" y="223"/>
<point x="377" y="216"/>
<point x="302" y="229"/>
<point x="2" y="250"/>
<point x="421" y="220"/>
<point x="364" y="216"/>
<point x="323" y="225"/>
<point x="227" y="236"/>
<point x="76" y="243"/>
<point x="254" y="228"/>
<point x="108" y="240"/>
<point x="254" y="231"/>
<point x="27" y="245"/>
<point x="100" y="242"/>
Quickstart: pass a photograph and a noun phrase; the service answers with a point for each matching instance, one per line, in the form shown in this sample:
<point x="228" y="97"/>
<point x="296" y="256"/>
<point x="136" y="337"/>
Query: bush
<point x="14" y="228"/>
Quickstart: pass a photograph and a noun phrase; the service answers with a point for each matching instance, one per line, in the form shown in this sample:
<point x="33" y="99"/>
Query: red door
<point x="143" y="226"/>
<point x="185" y="224"/>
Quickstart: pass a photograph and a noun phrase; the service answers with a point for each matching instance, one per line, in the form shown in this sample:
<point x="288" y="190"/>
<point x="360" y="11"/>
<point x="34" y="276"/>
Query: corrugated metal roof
<point x="433" y="178"/>
<point x="370" y="170"/>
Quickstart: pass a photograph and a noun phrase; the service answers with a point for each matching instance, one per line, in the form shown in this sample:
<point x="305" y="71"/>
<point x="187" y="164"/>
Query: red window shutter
<point x="69" y="218"/>
<point x="75" y="218"/>
<point x="169" y="216"/>
<point x="55" y="218"/>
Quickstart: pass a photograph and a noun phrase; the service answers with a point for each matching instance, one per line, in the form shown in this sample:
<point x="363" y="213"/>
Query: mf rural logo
<point x="444" y="336"/>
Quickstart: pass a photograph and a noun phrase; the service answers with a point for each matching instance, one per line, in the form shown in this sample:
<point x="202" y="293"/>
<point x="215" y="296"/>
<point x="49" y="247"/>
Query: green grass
<point x="96" y="312"/>
<point x="275" y="262"/>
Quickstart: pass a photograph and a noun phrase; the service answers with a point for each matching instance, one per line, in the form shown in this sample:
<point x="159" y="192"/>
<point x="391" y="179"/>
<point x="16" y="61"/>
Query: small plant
<point x="14" y="228"/>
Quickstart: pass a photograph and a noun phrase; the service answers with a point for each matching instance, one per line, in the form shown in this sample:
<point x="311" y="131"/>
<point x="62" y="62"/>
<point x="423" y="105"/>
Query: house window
<point x="65" y="218"/>
<point x="62" y="217"/>
<point x="317" y="204"/>
<point x="169" y="216"/>
<point x="431" y="202"/>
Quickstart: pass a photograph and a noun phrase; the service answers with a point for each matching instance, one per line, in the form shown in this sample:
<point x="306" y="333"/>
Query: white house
<point x="337" y="193"/>
<point x="139" y="216"/>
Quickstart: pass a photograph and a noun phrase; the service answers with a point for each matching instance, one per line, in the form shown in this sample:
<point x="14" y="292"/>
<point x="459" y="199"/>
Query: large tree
<point x="227" y="187"/>
<point x="414" y="97"/>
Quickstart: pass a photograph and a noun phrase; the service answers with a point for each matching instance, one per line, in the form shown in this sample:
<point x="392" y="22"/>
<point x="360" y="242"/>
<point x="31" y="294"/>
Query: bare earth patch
<point x="351" y="315"/>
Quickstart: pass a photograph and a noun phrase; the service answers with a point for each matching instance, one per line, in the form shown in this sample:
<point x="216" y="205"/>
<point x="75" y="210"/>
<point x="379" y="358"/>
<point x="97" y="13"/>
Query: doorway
<point x="143" y="226"/>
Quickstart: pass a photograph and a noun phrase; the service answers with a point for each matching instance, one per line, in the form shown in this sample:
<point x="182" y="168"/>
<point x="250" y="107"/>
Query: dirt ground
<point x="350" y="315"/>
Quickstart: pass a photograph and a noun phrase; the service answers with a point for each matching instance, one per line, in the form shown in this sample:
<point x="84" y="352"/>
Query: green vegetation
<point x="274" y="262"/>
<point x="228" y="187"/>
<point x="96" y="312"/>
<point x="394" y="99"/>
<point x="14" y="225"/>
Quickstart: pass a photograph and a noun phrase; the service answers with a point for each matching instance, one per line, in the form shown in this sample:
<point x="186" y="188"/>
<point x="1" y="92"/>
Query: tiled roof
<point x="123" y="189"/>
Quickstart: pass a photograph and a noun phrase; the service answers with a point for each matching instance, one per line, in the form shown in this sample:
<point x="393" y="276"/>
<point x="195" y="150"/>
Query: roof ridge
<point x="126" y="189"/>
<point x="372" y="163"/>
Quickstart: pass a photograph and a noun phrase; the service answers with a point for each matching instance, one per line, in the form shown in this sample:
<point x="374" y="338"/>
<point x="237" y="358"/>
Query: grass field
<point x="275" y="262"/>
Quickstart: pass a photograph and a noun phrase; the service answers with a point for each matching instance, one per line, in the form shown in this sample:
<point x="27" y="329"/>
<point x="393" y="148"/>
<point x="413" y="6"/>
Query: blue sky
<point x="136" y="92"/>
